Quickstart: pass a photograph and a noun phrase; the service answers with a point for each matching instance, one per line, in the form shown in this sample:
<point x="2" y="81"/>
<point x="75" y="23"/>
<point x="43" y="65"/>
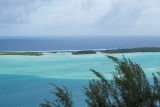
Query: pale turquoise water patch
<point x="150" y="61"/>
<point x="67" y="66"/>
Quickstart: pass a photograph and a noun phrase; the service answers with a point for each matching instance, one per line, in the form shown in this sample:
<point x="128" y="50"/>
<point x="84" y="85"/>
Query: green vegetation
<point x="128" y="88"/>
<point x="64" y="98"/>
<point x="131" y="50"/>
<point x="22" y="53"/>
<point x="52" y="52"/>
<point x="84" y="52"/>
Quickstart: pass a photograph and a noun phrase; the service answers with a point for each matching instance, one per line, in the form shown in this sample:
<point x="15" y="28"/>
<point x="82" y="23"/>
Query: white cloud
<point x="70" y="12"/>
<point x="79" y="17"/>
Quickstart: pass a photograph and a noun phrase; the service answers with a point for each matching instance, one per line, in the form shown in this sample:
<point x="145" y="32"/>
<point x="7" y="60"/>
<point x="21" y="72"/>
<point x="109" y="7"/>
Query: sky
<point x="79" y="17"/>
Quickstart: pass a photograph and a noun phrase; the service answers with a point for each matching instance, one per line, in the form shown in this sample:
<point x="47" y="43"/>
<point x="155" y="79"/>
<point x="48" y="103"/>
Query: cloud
<point x="15" y="11"/>
<point x="62" y="13"/>
<point x="79" y="17"/>
<point x="12" y="11"/>
<point x="56" y="12"/>
<point x="125" y="13"/>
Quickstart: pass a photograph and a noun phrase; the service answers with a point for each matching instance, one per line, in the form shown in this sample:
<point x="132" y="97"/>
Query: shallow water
<point x="24" y="79"/>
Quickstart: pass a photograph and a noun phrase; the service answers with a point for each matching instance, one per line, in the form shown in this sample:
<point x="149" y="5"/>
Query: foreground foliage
<point x="64" y="98"/>
<point x="129" y="88"/>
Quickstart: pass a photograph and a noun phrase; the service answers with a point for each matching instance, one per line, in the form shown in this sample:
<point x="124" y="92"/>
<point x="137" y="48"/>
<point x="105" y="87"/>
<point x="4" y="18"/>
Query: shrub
<point x="128" y="88"/>
<point x="64" y="98"/>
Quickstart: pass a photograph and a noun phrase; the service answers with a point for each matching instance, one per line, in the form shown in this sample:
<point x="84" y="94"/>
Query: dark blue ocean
<point x="76" y="43"/>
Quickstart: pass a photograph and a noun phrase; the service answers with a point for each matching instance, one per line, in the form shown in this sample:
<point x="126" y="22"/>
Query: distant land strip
<point x="80" y="52"/>
<point x="22" y="53"/>
<point x="128" y="50"/>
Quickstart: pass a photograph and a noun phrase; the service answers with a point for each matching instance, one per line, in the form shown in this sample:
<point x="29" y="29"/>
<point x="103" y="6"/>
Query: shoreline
<point x="85" y="51"/>
<point x="62" y="50"/>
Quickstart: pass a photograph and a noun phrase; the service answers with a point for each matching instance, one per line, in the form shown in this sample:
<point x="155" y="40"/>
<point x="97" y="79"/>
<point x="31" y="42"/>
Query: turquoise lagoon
<point x="24" y="79"/>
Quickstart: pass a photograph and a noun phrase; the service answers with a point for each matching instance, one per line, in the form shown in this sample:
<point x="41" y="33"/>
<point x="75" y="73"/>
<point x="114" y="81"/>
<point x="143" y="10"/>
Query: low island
<point x="128" y="50"/>
<point x="132" y="50"/>
<point x="84" y="52"/>
<point x="22" y="53"/>
<point x="81" y="52"/>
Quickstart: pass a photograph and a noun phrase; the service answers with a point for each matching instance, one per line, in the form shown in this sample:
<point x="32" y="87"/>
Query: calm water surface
<point x="77" y="43"/>
<point x="24" y="79"/>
